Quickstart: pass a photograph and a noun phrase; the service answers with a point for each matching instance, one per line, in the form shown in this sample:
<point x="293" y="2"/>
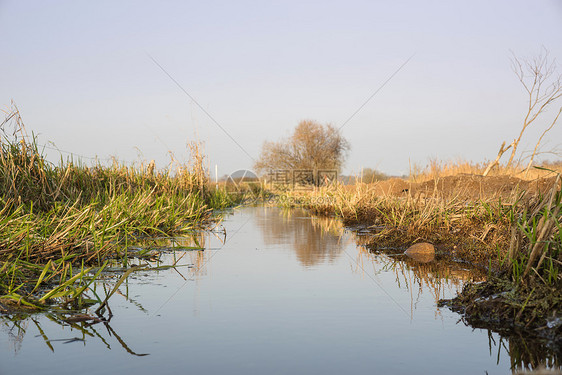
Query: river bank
<point x="62" y="225"/>
<point x="508" y="227"/>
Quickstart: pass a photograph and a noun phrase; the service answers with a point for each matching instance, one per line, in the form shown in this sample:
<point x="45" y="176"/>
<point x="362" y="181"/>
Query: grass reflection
<point x="17" y="326"/>
<point x="184" y="255"/>
<point x="442" y="278"/>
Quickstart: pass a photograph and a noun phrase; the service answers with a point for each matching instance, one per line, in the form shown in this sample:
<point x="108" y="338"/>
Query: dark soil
<point x="532" y="308"/>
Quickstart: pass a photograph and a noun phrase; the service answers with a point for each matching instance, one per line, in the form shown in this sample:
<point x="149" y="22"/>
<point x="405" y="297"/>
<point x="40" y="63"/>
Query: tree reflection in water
<point x="314" y="239"/>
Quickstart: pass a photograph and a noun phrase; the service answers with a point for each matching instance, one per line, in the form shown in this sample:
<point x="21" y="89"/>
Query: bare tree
<point x="544" y="87"/>
<point x="312" y="146"/>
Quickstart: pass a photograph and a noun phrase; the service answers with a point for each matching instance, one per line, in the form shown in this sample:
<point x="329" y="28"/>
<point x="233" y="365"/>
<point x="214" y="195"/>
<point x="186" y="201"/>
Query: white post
<point x="216" y="176"/>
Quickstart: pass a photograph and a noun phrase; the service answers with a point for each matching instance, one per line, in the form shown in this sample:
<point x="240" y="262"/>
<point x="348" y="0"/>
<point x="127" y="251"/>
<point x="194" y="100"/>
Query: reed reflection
<point x="438" y="276"/>
<point x="526" y="354"/>
<point x="184" y="255"/>
<point x="83" y="328"/>
<point x="442" y="279"/>
<point x="314" y="239"/>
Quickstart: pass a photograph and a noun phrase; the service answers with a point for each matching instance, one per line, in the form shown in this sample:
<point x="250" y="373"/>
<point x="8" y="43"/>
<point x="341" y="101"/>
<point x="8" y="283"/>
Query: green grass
<point x="57" y="222"/>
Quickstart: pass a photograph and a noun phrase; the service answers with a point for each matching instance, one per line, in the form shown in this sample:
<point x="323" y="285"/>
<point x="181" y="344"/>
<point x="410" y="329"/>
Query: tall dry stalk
<point x="548" y="223"/>
<point x="198" y="173"/>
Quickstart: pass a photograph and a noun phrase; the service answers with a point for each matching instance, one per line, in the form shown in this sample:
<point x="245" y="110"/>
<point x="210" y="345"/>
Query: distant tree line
<point x="370" y="175"/>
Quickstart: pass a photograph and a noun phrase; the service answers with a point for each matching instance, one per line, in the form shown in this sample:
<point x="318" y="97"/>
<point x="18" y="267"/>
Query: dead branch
<point x="497" y="161"/>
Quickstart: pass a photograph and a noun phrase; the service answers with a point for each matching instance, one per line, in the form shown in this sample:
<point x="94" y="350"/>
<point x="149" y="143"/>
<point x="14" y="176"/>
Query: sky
<point x="138" y="80"/>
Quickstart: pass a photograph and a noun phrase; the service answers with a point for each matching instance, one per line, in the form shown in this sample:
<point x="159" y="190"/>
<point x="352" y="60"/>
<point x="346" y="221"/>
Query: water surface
<point x="276" y="292"/>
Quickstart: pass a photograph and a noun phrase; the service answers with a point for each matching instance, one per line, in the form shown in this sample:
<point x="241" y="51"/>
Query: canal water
<point x="273" y="292"/>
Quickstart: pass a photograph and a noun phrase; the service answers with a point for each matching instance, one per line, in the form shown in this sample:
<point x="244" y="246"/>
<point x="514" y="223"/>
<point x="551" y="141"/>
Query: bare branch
<point x="543" y="87"/>
<point x="540" y="140"/>
<point x="497" y="161"/>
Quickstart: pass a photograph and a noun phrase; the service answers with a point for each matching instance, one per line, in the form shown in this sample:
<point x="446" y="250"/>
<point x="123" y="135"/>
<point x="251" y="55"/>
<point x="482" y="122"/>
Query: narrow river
<point x="280" y="293"/>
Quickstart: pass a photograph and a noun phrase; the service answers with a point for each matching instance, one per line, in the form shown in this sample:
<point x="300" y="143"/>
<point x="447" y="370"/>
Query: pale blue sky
<point x="81" y="77"/>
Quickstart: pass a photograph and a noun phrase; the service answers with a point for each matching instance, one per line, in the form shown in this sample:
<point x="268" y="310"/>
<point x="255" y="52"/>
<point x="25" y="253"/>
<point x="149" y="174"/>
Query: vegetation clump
<point x="61" y="225"/>
<point x="528" y="308"/>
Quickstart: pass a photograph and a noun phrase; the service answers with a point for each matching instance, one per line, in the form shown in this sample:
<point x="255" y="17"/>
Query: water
<point x="284" y="293"/>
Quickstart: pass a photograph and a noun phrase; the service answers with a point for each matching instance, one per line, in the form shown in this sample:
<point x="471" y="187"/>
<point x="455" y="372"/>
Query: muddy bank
<point x="529" y="311"/>
<point x="527" y="316"/>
